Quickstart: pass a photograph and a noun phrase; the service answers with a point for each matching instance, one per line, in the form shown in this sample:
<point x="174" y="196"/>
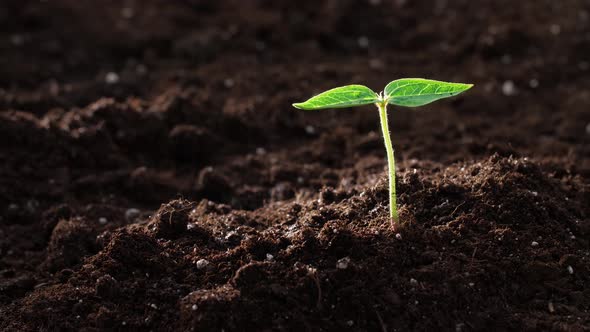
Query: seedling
<point x="408" y="92"/>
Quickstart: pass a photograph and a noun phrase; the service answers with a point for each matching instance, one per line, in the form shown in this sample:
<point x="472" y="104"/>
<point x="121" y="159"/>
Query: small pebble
<point x="506" y="59"/>
<point x="342" y="263"/>
<point x="363" y="42"/>
<point x="471" y="284"/>
<point x="534" y="83"/>
<point x="141" y="69"/>
<point x="260" y="45"/>
<point x="508" y="88"/>
<point x="228" y="83"/>
<point x="269" y="257"/>
<point x="534" y="244"/>
<point x="17" y="40"/>
<point x="570" y="269"/>
<point x="202" y="263"/>
<point x="550" y="307"/>
<point x="310" y="130"/>
<point x="376" y="64"/>
<point x="132" y="213"/>
<point x="111" y="78"/>
<point x="398" y="236"/>
<point x="230" y="235"/>
<point x="350" y="323"/>
<point x="459" y="327"/>
<point x="260" y="151"/>
<point x="102" y="220"/>
<point x="154" y="306"/>
<point x="413" y="281"/>
<point x="194" y="307"/>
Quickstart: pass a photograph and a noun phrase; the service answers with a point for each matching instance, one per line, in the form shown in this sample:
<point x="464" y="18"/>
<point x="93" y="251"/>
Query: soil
<point x="154" y="177"/>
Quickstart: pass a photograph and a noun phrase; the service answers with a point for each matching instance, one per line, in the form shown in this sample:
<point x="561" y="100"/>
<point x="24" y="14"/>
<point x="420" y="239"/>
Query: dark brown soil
<point x="154" y="177"/>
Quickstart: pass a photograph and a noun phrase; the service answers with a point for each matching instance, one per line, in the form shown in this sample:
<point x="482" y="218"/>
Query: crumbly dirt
<point x="154" y="177"/>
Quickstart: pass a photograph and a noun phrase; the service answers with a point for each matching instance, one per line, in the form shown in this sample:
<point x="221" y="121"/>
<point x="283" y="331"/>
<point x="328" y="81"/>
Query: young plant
<point x="408" y="92"/>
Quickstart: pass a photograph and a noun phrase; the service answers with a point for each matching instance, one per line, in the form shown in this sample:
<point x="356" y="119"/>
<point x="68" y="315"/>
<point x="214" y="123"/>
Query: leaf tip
<point x="298" y="105"/>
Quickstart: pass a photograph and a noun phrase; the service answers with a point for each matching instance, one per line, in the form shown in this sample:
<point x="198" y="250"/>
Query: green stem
<point x="390" y="163"/>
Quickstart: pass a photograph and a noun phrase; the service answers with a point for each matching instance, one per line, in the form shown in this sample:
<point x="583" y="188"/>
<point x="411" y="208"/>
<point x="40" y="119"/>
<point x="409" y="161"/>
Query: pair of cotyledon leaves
<point x="409" y="92"/>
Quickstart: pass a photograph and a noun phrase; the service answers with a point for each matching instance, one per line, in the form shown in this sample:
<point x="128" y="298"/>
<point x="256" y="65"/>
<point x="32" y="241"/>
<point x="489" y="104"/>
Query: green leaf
<point x="344" y="96"/>
<point x="412" y="92"/>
